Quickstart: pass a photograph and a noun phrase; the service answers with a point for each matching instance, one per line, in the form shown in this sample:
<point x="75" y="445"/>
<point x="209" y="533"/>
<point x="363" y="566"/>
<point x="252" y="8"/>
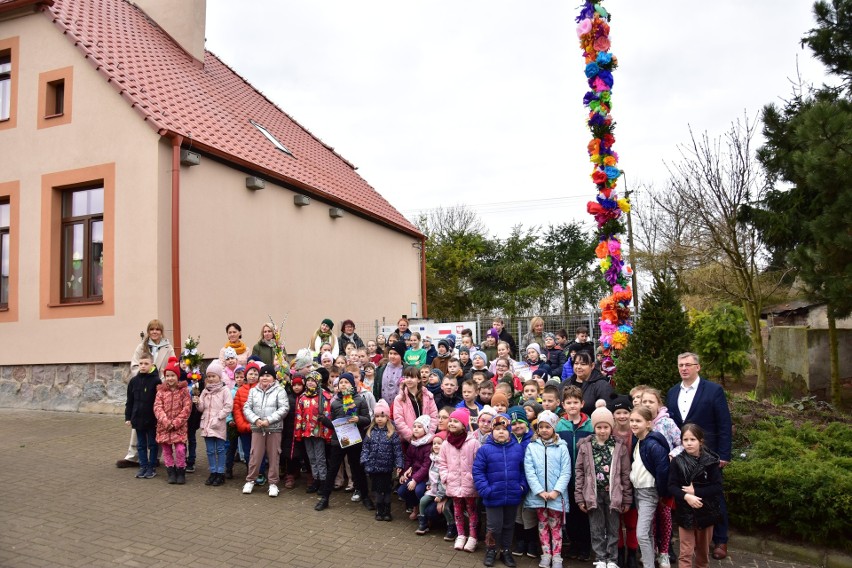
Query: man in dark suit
<point x="703" y="403"/>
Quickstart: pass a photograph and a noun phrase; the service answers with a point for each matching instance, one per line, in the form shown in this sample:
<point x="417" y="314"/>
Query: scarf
<point x="324" y="337"/>
<point x="348" y="400"/>
<point x="427" y="439"/>
<point x="213" y="388"/>
<point x="154" y="347"/>
<point x="457" y="440"/>
<point x="310" y="391"/>
<point x="269" y="343"/>
<point x="238" y="346"/>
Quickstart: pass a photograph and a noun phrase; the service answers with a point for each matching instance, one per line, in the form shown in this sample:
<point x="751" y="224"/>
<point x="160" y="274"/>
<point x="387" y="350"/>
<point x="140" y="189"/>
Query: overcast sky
<point x="480" y="102"/>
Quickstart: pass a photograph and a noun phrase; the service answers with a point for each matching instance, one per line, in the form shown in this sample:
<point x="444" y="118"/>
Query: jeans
<point x="412" y="496"/>
<point x="215" y="454"/>
<point x="646" y="502"/>
<point x="500" y="524"/>
<point x="191" y="445"/>
<point x="146" y="443"/>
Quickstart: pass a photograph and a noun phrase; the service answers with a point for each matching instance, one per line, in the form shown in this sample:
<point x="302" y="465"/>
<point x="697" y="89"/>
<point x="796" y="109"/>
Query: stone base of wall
<point x="95" y="387"/>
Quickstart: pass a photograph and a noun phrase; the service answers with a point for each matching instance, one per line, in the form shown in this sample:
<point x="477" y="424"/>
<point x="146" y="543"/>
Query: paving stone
<point x="64" y="503"/>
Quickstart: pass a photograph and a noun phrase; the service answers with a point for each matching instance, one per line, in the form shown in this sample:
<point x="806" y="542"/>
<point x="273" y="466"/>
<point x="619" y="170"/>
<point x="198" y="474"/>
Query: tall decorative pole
<point x="616" y="325"/>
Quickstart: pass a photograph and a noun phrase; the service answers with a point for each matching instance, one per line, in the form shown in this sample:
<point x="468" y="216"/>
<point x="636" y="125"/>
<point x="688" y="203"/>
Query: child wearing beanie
<point x="412" y="482"/>
<point x="215" y="403"/>
<point x="603" y="488"/>
<point x="171" y="407"/>
<point x="455" y="463"/>
<point x="381" y="456"/>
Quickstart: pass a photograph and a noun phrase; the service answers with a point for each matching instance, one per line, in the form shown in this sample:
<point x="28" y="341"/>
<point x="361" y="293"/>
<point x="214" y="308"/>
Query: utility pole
<point x="631" y="257"/>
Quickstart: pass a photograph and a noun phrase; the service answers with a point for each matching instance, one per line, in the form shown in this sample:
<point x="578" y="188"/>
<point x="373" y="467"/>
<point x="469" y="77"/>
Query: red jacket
<point x="240" y="398"/>
<point x="307" y="423"/>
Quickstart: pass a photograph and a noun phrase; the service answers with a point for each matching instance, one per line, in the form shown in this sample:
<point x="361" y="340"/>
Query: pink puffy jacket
<point x="404" y="414"/>
<point x="215" y="403"/>
<point x="456" y="467"/>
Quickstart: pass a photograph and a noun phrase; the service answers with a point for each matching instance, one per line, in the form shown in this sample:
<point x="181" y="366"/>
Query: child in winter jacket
<point x="602" y="487"/>
<point x="498" y="474"/>
<point x="308" y="429"/>
<point x="265" y="409"/>
<point x="412" y="482"/>
<point x="547" y="464"/>
<point x="695" y="481"/>
<point x="172" y="407"/>
<point x="434" y="501"/>
<point x="240" y="422"/>
<point x="652" y="400"/>
<point x="649" y="474"/>
<point x="455" y="463"/>
<point x="139" y="414"/>
<point x="215" y="404"/>
<point x="381" y="456"/>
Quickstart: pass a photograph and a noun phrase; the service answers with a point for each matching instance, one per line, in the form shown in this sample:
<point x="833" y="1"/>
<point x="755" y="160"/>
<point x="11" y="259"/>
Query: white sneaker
<point x="557" y="561"/>
<point x="611" y="565"/>
<point x="600" y="564"/>
<point x="273" y="490"/>
<point x="248" y="487"/>
<point x="545" y="561"/>
<point x="663" y="561"/>
<point x="471" y="544"/>
<point x="460" y="540"/>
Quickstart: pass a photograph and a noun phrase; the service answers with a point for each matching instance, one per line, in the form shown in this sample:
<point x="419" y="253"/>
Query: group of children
<point x="450" y="444"/>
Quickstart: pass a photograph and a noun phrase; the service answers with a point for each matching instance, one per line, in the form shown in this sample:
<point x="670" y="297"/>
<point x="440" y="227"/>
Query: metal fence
<point x="518" y="327"/>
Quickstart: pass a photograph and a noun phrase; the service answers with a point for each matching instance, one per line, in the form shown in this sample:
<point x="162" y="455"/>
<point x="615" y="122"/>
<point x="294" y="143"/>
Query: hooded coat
<point x="215" y="403"/>
<point x="548" y="468"/>
<point x="498" y="473"/>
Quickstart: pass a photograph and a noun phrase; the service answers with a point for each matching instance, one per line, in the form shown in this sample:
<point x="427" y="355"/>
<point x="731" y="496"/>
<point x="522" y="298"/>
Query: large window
<point x="82" y="245"/>
<point x="5" y="252"/>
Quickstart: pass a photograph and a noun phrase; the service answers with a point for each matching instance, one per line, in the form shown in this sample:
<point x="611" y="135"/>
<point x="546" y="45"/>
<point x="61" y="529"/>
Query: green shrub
<point x="795" y="480"/>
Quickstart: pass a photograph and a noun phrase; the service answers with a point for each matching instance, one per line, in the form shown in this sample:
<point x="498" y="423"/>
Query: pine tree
<point x="661" y="334"/>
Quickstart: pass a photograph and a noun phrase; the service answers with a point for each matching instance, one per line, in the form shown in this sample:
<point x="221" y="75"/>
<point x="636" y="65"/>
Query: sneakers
<point x="460" y="542"/>
<point x="273" y="490"/>
<point x="451" y="533"/>
<point x="350" y="487"/>
<point x="520" y="548"/>
<point x="422" y="525"/>
<point x="141" y="473"/>
<point x="663" y="561"/>
<point x="261" y="480"/>
<point x="218" y="479"/>
<point x="150" y="473"/>
<point x="600" y="564"/>
<point x="289" y="482"/>
<point x="470" y="545"/>
<point x="611" y="565"/>
<point x="190" y="468"/>
<point x="248" y="487"/>
<point x="508" y="560"/>
<point x="490" y="557"/>
<point x="356" y="496"/>
<point x="545" y="561"/>
<point x="557" y="561"/>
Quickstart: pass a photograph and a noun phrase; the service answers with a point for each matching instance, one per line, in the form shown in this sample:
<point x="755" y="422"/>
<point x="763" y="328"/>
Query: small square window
<point x="55" y="94"/>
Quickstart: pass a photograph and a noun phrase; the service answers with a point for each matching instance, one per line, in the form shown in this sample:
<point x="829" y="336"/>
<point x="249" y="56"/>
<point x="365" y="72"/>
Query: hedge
<point x="795" y="480"/>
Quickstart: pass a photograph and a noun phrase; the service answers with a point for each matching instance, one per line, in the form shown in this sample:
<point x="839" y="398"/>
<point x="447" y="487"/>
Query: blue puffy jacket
<point x="654" y="452"/>
<point x="498" y="473"/>
<point x="548" y="468"/>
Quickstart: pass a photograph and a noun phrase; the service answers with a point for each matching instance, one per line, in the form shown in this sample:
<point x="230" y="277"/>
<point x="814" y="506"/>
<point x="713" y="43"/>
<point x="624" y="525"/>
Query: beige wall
<point x="248" y="254"/>
<point x="102" y="123"/>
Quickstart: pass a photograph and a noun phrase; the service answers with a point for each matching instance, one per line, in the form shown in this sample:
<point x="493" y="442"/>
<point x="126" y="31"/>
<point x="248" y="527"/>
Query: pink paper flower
<point x="584" y="27"/>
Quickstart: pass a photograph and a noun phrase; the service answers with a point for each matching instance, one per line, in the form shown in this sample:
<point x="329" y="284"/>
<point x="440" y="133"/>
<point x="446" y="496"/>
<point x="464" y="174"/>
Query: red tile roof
<point x="211" y="105"/>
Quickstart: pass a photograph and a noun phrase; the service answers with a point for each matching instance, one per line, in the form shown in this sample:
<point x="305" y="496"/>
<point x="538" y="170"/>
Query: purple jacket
<point x="417" y="458"/>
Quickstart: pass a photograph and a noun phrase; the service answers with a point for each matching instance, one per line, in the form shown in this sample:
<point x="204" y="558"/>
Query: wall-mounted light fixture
<point x="188" y="158"/>
<point x="253" y="182"/>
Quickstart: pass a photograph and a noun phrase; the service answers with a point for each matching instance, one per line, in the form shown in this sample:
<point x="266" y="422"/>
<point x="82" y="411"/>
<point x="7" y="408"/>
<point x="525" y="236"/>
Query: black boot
<point x="180" y="476"/>
<point x="632" y="561"/>
<point x="422" y="525"/>
<point x="520" y="540"/>
<point x="218" y="480"/>
<point x="368" y="503"/>
<point x="229" y="472"/>
<point x="171" y="473"/>
<point x="211" y="479"/>
<point x="533" y="546"/>
<point x="490" y="556"/>
<point x="380" y="511"/>
<point x="622" y="557"/>
<point x="314" y="487"/>
<point x="387" y="514"/>
<point x="322" y="504"/>
<point x="507" y="558"/>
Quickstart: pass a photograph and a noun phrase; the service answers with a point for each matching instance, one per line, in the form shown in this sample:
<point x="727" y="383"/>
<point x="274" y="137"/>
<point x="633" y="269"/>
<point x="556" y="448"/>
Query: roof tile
<point x="210" y="104"/>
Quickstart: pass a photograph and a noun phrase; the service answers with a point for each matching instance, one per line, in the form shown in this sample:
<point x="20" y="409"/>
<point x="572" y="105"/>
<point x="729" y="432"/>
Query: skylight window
<point x="272" y="138"/>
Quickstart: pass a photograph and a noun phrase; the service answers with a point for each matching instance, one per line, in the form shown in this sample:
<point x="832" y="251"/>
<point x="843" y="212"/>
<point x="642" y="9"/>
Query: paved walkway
<point x="64" y="503"/>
